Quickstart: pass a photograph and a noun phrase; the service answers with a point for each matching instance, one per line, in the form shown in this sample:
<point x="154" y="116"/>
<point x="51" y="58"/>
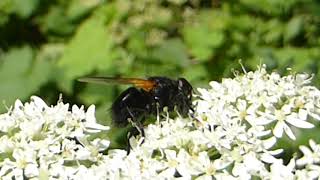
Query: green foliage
<point x="172" y="52"/>
<point x="86" y="52"/>
<point x="21" y="74"/>
<point x="46" y="45"/>
<point x="204" y="37"/>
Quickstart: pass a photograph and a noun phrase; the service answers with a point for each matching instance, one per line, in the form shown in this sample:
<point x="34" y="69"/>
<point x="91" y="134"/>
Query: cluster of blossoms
<point x="40" y="141"/>
<point x="232" y="134"/>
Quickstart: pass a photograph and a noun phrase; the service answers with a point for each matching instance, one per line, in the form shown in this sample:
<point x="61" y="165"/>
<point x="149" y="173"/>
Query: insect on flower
<point x="147" y="97"/>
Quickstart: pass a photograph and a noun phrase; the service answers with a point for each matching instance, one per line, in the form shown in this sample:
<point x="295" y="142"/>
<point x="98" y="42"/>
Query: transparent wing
<point x="145" y="84"/>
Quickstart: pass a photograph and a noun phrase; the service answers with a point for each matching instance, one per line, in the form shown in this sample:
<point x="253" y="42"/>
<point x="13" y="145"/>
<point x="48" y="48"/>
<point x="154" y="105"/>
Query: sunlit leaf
<point x="57" y="22"/>
<point x="294" y="28"/>
<point x="24" y="8"/>
<point x="21" y="74"/>
<point x="79" y="8"/>
<point x="271" y="7"/>
<point x="90" y="49"/>
<point x="202" y="41"/>
<point x="171" y="51"/>
<point x="274" y="32"/>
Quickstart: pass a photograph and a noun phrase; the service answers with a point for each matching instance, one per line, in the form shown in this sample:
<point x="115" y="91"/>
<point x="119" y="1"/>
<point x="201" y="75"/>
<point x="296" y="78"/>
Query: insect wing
<point x="147" y="85"/>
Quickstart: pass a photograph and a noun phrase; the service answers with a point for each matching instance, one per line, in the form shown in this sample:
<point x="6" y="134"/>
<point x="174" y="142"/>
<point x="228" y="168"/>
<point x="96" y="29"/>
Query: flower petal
<point x="278" y="129"/>
<point x="299" y="123"/>
<point x="289" y="132"/>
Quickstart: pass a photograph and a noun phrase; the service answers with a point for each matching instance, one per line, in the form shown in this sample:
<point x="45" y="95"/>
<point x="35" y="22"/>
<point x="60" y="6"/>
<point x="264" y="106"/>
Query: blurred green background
<point x="45" y="45"/>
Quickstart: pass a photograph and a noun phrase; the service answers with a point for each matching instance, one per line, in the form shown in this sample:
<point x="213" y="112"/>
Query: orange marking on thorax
<point x="145" y="85"/>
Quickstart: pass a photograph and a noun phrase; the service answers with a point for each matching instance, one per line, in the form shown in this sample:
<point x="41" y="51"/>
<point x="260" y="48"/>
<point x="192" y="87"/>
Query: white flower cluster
<point x="231" y="135"/>
<point x="233" y="132"/>
<point x="41" y="141"/>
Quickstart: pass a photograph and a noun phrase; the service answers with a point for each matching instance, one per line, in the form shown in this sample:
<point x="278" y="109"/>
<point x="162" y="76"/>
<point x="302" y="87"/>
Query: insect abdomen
<point x="133" y="104"/>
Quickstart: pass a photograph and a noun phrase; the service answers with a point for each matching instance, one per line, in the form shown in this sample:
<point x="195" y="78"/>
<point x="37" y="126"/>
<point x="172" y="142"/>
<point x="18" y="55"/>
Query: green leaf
<point x="293" y="29"/>
<point x="21" y="75"/>
<point x="79" y="8"/>
<point x="5" y="10"/>
<point x="90" y="49"/>
<point x="202" y="41"/>
<point x="6" y="6"/>
<point x="17" y="59"/>
<point x="271" y="7"/>
<point x="275" y="31"/>
<point x="24" y="8"/>
<point x="93" y="92"/>
<point x="196" y="73"/>
<point x="57" y="22"/>
<point x="136" y="44"/>
<point x="171" y="51"/>
<point x="300" y="59"/>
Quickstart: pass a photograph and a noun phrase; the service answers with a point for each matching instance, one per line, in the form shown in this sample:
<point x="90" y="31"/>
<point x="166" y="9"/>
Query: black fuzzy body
<point x="135" y="104"/>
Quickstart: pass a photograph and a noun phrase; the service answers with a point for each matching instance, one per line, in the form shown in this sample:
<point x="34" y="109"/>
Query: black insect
<point x="147" y="97"/>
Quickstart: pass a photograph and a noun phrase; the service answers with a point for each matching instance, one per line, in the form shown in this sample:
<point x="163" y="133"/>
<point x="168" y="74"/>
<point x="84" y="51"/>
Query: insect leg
<point x="133" y="132"/>
<point x="137" y="129"/>
<point x="192" y="111"/>
<point x="158" y="112"/>
<point x="128" y="142"/>
<point x="135" y="123"/>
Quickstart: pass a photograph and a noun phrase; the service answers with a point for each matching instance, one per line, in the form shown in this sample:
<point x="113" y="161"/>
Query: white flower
<point x="310" y="156"/>
<point x="23" y="164"/>
<point x="91" y="150"/>
<point x="175" y="163"/>
<point x="307" y="173"/>
<point x="283" y="116"/>
<point x="249" y="166"/>
<point x="6" y="144"/>
<point x="280" y="171"/>
<point x="203" y="166"/>
<point x="31" y="128"/>
<point x="38" y="139"/>
<point x="7" y="123"/>
<point x="231" y="135"/>
<point x="90" y="124"/>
